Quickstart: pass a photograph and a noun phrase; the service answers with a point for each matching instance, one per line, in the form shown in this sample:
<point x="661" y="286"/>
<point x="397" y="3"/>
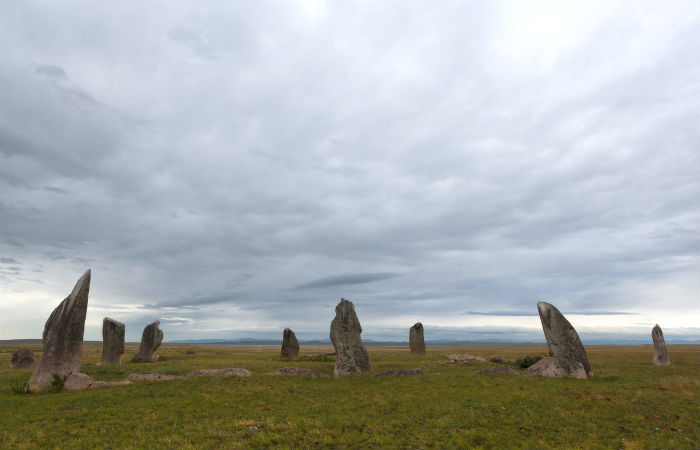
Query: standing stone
<point x="151" y="339"/>
<point x="23" y="359"/>
<point x="415" y="339"/>
<point x="63" y="339"/>
<point x="351" y="355"/>
<point x="112" y="341"/>
<point x="290" y="345"/>
<point x="568" y="357"/>
<point x="660" y="353"/>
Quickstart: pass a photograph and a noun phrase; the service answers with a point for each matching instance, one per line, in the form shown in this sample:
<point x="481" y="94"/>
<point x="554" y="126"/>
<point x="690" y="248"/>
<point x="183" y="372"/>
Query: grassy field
<point x="629" y="404"/>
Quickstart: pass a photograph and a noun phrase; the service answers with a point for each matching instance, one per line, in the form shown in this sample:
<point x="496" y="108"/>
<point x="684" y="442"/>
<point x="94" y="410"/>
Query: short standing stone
<point x="151" y="339"/>
<point x="23" y="359"/>
<point x="415" y="339"/>
<point x="660" y="352"/>
<point x="351" y="355"/>
<point x="564" y="346"/>
<point x="112" y="341"/>
<point x="498" y="359"/>
<point x="63" y="339"/>
<point x="290" y="345"/>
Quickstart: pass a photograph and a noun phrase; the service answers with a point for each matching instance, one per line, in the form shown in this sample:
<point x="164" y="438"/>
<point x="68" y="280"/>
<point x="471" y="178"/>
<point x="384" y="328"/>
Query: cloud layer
<point x="236" y="169"/>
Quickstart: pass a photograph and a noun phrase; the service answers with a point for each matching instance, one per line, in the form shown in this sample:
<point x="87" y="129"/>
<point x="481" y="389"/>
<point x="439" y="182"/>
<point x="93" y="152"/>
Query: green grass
<point x="628" y="404"/>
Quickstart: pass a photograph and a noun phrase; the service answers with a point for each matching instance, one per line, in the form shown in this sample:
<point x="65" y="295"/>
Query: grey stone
<point x="415" y="339"/>
<point x="351" y="355"/>
<point x="23" y="359"/>
<point x="112" y="341"/>
<point x="660" y="352"/>
<point x="153" y="377"/>
<point x="63" y="339"/>
<point x="500" y="370"/>
<point x="552" y="367"/>
<point x="298" y="372"/>
<point x="563" y="342"/>
<point x="80" y="382"/>
<point x="465" y="357"/>
<point x="399" y="372"/>
<point x="151" y="339"/>
<point x="498" y="359"/>
<point x="228" y="372"/>
<point x="290" y="345"/>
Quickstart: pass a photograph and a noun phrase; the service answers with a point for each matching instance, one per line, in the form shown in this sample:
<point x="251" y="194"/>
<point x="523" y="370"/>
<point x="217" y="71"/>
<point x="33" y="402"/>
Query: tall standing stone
<point x="290" y="345"/>
<point x="112" y="341"/>
<point x="351" y="355"/>
<point x="151" y="339"/>
<point x="660" y="353"/>
<point x="63" y="339"/>
<point x="568" y="357"/>
<point x="415" y="339"/>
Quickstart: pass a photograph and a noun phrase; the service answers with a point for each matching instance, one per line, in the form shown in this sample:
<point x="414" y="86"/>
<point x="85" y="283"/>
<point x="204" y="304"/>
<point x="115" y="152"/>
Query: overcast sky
<point x="234" y="168"/>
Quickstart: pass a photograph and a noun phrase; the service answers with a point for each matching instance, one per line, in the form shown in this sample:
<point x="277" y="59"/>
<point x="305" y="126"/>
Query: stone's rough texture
<point x="500" y="370"/>
<point x="79" y="382"/>
<point x="112" y="341"/>
<point x="660" y="353"/>
<point x="152" y="377"/>
<point x="415" y="339"/>
<point x="228" y="372"/>
<point x="290" y="345"/>
<point x="351" y="355"/>
<point x="498" y="359"/>
<point x="552" y="367"/>
<point x="63" y="338"/>
<point x="465" y="357"/>
<point x="23" y="359"/>
<point x="563" y="342"/>
<point x="298" y="372"/>
<point x="399" y="372"/>
<point x="151" y="339"/>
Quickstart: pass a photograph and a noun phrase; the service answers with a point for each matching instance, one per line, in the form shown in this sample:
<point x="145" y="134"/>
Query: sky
<point x="235" y="168"/>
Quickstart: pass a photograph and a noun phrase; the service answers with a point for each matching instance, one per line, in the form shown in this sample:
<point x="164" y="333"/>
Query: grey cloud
<point x="52" y="71"/>
<point x="5" y="260"/>
<point x="346" y="279"/>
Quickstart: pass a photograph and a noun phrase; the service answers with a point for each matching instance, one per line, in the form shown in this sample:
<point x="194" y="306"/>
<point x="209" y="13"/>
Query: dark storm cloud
<point x="345" y="279"/>
<point x="233" y="160"/>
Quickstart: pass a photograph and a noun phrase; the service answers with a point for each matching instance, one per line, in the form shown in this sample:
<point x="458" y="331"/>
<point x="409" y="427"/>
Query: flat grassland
<point x="629" y="404"/>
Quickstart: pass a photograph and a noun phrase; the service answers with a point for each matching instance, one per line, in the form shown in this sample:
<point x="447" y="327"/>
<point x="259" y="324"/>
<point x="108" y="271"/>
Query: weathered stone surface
<point x="660" y="353"/>
<point x="63" y="338"/>
<point x="298" y="372"/>
<point x="399" y="372"/>
<point x="290" y="345"/>
<point x="351" y="355"/>
<point x="23" y="359"/>
<point x="228" y="372"/>
<point x="415" y="339"/>
<point x="563" y="342"/>
<point x="552" y="367"/>
<point x="112" y="341"/>
<point x="498" y="359"/>
<point x="151" y="339"/>
<point x="79" y="382"/>
<point x="152" y="377"/>
<point x="500" y="370"/>
<point x="465" y="357"/>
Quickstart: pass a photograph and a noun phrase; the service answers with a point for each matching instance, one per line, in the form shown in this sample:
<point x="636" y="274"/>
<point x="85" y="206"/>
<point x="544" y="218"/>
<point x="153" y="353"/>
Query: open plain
<point x="628" y="404"/>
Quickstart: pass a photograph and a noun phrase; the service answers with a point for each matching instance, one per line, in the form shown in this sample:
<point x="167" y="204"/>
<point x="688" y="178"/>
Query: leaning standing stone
<point x="151" y="339"/>
<point x="415" y="339"/>
<point x="63" y="339"/>
<point x="351" y="355"/>
<point x="290" y="345"/>
<point x="112" y="341"/>
<point x="660" y="353"/>
<point x="23" y="359"/>
<point x="564" y="346"/>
